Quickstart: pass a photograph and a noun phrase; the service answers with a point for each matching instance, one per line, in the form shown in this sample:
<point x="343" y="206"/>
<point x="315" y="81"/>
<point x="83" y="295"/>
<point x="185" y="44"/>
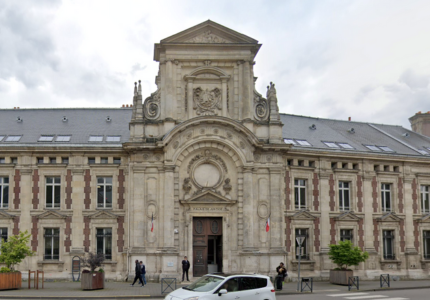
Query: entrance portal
<point x="207" y="246"/>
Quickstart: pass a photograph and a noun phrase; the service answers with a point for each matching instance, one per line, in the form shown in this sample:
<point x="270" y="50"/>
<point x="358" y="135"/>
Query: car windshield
<point x="205" y="284"/>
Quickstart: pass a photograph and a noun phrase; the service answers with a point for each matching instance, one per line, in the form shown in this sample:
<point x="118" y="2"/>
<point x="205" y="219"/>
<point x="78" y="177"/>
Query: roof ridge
<point x="338" y="120"/>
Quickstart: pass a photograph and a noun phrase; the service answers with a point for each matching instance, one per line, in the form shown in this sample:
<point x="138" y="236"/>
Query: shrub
<point x="93" y="260"/>
<point x="101" y="270"/>
<point x="345" y="254"/>
<point x="15" y="249"/>
<point x="4" y="270"/>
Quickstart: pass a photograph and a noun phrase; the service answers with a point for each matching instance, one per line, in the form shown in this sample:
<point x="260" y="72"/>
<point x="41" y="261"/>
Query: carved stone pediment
<point x="103" y="215"/>
<point x="424" y="219"/>
<point x="303" y="215"/>
<point x="208" y="197"/>
<point x="51" y="214"/>
<point x="209" y="32"/>
<point x="348" y="216"/>
<point x="5" y="215"/>
<point x="389" y="217"/>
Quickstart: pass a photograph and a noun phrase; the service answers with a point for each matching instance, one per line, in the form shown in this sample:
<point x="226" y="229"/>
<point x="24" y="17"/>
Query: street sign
<point x="300" y="240"/>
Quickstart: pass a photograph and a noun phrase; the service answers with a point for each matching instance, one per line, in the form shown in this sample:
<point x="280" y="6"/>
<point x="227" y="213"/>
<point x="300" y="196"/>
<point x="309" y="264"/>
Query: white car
<point x="226" y="287"/>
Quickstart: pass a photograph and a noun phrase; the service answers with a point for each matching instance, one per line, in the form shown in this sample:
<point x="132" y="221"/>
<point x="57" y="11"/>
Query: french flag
<point x="152" y="223"/>
<point x="268" y="224"/>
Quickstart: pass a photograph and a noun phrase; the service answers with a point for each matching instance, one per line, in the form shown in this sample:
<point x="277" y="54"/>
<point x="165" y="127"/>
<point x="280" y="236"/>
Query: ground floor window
<point x="346" y="235"/>
<point x="104" y="242"/>
<point x="302" y="235"/>
<point x="52" y="243"/>
<point x="426" y="241"/>
<point x="3" y="235"/>
<point x="388" y="244"/>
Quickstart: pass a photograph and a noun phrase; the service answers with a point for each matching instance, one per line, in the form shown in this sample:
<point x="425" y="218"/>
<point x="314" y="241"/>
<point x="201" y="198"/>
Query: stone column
<point x="325" y="209"/>
<point x="248" y="210"/>
<point x="276" y="209"/>
<point x="224" y="95"/>
<point x="246" y="98"/>
<point x="169" y="100"/>
<point x="408" y="208"/>
<point x="190" y="81"/>
<point x="78" y="185"/>
<point x="240" y="100"/>
<point x="169" y="207"/>
<point x="368" y="213"/>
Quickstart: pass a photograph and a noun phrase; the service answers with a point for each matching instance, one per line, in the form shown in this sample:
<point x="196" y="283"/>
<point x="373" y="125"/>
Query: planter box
<point x="340" y="276"/>
<point x="10" y="281"/>
<point x="93" y="281"/>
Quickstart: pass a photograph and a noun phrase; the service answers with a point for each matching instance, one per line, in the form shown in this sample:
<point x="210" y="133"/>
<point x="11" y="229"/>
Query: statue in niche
<point x="187" y="187"/>
<point x="227" y="188"/>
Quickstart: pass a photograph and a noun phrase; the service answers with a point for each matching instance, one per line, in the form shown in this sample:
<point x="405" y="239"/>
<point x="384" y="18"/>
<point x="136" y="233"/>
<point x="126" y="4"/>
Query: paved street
<point x="413" y="289"/>
<point x="408" y="294"/>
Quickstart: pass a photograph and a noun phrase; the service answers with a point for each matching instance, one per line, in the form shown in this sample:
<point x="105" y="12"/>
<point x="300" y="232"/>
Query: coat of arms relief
<point x="206" y="102"/>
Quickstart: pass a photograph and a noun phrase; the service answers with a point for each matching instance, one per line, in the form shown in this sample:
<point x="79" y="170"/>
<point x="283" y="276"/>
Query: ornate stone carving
<point x="227" y="188"/>
<point x="151" y="106"/>
<point x="175" y="145"/>
<point x="187" y="186"/>
<point x="208" y="37"/>
<point x="206" y="156"/>
<point x="206" y="102"/>
<point x="261" y="107"/>
<point x="273" y="102"/>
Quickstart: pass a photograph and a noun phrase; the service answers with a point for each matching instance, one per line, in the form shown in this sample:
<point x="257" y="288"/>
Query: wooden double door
<point x="207" y="245"/>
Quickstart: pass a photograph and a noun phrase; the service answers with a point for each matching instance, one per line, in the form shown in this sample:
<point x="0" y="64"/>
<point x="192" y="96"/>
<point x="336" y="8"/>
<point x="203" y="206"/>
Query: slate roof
<point x="357" y="134"/>
<point x="84" y="122"/>
<point x="80" y="124"/>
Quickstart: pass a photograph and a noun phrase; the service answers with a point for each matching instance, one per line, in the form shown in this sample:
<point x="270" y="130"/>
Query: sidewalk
<point x="374" y="285"/>
<point x="123" y="290"/>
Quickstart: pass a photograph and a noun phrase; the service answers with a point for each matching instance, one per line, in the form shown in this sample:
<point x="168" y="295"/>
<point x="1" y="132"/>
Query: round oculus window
<point x="207" y="175"/>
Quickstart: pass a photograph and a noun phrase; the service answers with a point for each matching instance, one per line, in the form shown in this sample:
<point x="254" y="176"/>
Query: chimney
<point x="420" y="123"/>
<point x="349" y="118"/>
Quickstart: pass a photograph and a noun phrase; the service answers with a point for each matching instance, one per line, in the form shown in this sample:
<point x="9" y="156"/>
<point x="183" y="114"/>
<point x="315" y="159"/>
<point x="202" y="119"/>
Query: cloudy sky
<point x="369" y="60"/>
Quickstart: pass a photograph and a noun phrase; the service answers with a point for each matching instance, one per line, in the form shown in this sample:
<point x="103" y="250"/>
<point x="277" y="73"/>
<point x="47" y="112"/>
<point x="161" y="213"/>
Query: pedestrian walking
<point x="281" y="275"/>
<point x="143" y="272"/>
<point x="185" y="268"/>
<point x="138" y="273"/>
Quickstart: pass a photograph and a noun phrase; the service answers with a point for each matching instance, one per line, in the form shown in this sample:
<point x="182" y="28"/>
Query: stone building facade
<point x="199" y="166"/>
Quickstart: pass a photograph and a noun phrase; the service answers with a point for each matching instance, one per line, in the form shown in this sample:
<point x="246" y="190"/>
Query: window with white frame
<point x="104" y="242"/>
<point x="104" y="192"/>
<point x="300" y="193"/>
<point x="53" y="192"/>
<point x="344" y="195"/>
<point x="425" y="199"/>
<point x="388" y="244"/>
<point x="4" y="192"/>
<point x="346" y="235"/>
<point x="426" y="244"/>
<point x="52" y="243"/>
<point x="386" y="197"/>
<point x="302" y="234"/>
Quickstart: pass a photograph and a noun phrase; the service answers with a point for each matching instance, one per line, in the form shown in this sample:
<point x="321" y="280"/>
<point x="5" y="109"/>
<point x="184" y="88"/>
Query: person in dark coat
<point x="138" y="273"/>
<point x="282" y="272"/>
<point x="143" y="272"/>
<point x="185" y="268"/>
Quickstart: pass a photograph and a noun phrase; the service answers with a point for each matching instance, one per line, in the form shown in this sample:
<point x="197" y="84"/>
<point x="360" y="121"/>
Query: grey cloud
<point x="27" y="48"/>
<point x="414" y="80"/>
<point x="137" y="67"/>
